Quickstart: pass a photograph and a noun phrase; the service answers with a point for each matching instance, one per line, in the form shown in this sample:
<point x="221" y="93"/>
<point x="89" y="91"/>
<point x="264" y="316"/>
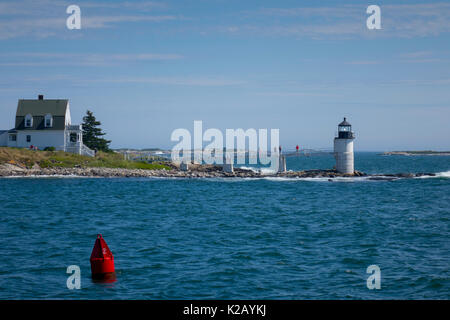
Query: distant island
<point x="417" y="153"/>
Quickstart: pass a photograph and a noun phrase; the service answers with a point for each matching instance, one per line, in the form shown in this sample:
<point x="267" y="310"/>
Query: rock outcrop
<point x="195" y="171"/>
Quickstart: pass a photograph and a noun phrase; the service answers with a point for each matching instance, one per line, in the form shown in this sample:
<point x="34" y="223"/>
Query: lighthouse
<point x="343" y="148"/>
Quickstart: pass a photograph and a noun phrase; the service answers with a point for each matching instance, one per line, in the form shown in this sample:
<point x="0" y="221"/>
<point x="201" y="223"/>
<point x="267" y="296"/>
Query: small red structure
<point x="297" y="147"/>
<point x="102" y="261"/>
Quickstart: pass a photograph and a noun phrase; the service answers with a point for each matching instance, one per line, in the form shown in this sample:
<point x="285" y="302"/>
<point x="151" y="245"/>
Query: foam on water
<point x="321" y="179"/>
<point x="444" y="174"/>
<point x="263" y="170"/>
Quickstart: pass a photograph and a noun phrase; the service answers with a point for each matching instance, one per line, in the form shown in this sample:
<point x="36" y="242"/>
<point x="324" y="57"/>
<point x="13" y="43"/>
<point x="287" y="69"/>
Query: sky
<point x="146" y="68"/>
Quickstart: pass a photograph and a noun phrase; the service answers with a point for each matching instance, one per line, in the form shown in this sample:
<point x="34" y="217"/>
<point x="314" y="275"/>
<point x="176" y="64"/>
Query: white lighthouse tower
<point x="343" y="148"/>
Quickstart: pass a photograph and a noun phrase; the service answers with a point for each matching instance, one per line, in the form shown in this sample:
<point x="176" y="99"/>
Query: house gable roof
<point x="42" y="107"/>
<point x="38" y="109"/>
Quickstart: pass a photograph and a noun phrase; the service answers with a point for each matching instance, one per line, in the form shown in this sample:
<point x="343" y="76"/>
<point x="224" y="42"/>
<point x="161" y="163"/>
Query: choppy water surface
<point x="268" y="238"/>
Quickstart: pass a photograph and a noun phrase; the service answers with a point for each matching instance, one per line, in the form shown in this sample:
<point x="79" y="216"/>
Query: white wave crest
<point x="318" y="179"/>
<point x="262" y="170"/>
<point x="444" y="174"/>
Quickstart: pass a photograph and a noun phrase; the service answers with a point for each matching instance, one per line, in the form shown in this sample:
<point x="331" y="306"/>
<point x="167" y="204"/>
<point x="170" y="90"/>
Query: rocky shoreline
<point x="195" y="171"/>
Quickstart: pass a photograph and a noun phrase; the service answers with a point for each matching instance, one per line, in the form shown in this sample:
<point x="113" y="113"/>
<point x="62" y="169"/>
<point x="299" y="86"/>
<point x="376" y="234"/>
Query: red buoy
<point x="102" y="261"/>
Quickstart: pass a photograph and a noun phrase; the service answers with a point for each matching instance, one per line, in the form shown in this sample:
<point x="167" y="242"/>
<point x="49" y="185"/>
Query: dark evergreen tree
<point x="92" y="134"/>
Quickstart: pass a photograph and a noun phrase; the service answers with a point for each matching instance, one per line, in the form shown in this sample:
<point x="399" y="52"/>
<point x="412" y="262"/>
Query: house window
<point x="12" y="137"/>
<point x="28" y="121"/>
<point x="48" y="121"/>
<point x="28" y="138"/>
<point x="73" y="137"/>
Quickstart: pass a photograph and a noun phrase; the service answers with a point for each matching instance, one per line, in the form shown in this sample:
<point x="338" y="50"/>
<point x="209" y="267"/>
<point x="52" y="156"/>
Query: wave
<point x="444" y="174"/>
<point x="256" y="170"/>
<point x="318" y="179"/>
<point x="298" y="179"/>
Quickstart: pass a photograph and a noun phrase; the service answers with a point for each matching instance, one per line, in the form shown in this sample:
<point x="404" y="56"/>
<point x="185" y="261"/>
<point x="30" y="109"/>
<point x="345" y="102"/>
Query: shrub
<point x="49" y="149"/>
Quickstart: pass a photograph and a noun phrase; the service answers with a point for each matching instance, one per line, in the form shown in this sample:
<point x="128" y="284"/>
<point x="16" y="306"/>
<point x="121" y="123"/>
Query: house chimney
<point x="41" y="97"/>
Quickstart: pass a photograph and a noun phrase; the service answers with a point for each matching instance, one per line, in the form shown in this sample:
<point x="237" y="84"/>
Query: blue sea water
<point x="269" y="238"/>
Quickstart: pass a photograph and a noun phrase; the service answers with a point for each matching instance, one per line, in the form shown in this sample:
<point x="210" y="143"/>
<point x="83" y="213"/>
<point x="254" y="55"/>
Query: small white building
<point x="45" y="123"/>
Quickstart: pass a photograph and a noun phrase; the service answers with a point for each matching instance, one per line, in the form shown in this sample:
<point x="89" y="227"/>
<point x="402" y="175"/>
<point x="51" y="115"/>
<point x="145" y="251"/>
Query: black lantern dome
<point x="345" y="130"/>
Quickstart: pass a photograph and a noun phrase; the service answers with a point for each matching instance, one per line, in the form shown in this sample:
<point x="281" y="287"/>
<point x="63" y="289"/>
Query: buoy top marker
<point x="101" y="250"/>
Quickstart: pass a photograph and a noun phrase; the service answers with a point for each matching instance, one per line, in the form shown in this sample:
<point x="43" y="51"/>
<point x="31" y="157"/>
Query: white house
<point x="45" y="123"/>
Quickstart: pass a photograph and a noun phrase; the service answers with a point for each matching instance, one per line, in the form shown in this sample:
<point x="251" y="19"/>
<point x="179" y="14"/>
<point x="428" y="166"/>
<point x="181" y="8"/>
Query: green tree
<point x="92" y="134"/>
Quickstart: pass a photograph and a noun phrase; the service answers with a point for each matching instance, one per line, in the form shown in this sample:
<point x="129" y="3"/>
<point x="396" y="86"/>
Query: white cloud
<point x="179" y="81"/>
<point x="108" y="21"/>
<point x="197" y="81"/>
<point x="63" y="59"/>
<point x="417" y="54"/>
<point x="47" y="7"/>
<point x="294" y="94"/>
<point x="427" y="82"/>
<point x="397" y="20"/>
<point x="140" y="5"/>
<point x="363" y="62"/>
<point x="47" y="18"/>
<point x="335" y="12"/>
<point x="422" y="57"/>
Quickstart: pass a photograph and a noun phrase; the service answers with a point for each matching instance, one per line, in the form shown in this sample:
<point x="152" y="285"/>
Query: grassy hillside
<point x="27" y="158"/>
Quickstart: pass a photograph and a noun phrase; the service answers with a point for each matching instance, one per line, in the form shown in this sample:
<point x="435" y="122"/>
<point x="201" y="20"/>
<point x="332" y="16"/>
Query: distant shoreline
<point x="417" y="153"/>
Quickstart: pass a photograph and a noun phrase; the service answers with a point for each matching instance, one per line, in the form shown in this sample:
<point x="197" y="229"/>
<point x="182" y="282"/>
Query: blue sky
<point x="146" y="68"/>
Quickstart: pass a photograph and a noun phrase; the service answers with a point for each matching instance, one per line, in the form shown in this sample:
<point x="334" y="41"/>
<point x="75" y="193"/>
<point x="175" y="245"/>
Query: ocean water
<point x="268" y="238"/>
